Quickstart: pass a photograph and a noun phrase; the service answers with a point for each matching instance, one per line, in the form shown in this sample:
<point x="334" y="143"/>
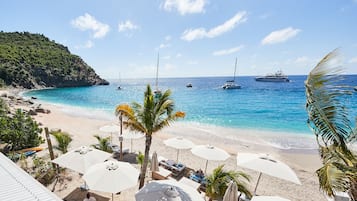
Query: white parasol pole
<point x="256" y="186"/>
<point x="177" y="155"/>
<point x="206" y="166"/>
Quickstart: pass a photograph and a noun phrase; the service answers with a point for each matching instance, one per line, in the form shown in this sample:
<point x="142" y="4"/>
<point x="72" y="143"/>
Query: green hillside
<point x="32" y="61"/>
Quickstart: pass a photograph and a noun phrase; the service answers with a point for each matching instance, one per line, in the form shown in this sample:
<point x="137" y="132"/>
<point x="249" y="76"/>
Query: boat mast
<point x="235" y="68"/>
<point x="157" y="72"/>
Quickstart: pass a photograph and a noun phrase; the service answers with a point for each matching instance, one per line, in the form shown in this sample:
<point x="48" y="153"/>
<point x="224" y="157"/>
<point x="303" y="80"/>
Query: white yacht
<point x="277" y="77"/>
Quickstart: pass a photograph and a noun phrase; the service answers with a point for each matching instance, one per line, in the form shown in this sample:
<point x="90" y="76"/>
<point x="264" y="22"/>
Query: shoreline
<point x="285" y="140"/>
<point x="303" y="161"/>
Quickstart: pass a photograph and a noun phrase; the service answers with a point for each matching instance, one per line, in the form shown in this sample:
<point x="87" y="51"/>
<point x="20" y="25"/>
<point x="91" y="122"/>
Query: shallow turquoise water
<point x="257" y="105"/>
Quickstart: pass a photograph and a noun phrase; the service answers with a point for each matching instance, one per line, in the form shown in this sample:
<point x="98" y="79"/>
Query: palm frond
<point x="217" y="182"/>
<point x="328" y="117"/>
<point x="332" y="179"/>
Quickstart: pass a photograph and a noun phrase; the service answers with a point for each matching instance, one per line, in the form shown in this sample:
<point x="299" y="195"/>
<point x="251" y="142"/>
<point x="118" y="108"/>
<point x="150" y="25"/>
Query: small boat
<point x="277" y="77"/>
<point x="189" y="85"/>
<point x="355" y="88"/>
<point x="157" y="92"/>
<point x="230" y="84"/>
<point x="119" y="87"/>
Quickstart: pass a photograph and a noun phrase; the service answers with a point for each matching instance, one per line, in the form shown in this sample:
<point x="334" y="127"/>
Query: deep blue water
<point x="257" y="105"/>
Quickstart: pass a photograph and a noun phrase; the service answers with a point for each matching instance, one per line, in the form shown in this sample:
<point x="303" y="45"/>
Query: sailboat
<point x="119" y="87"/>
<point x="230" y="84"/>
<point x="157" y="92"/>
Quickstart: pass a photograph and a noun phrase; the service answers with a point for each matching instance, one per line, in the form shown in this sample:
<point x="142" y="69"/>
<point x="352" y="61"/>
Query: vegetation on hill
<point x="32" y="61"/>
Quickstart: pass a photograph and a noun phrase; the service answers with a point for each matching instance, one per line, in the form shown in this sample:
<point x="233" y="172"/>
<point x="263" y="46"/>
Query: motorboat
<point x="189" y="85"/>
<point x="277" y="77"/>
<point x="230" y="84"/>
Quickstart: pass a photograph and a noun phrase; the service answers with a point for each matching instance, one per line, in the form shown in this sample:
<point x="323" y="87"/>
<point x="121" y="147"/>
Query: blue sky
<point x="194" y="37"/>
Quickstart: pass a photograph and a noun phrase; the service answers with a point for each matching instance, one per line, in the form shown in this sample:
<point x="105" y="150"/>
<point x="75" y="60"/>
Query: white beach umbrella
<point x="231" y="192"/>
<point x="111" y="176"/>
<point x="154" y="165"/>
<point x="268" y="198"/>
<point x="209" y="152"/>
<point x="179" y="143"/>
<point x="80" y="159"/>
<point x="168" y="190"/>
<point x="266" y="164"/>
<point x="132" y="136"/>
<point x="112" y="128"/>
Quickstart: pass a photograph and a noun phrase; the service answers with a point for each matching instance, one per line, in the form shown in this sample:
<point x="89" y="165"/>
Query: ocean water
<point x="257" y="105"/>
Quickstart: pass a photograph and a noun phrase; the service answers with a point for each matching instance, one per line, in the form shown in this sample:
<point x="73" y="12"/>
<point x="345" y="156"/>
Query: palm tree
<point x="102" y="144"/>
<point x="63" y="139"/>
<point x="155" y="114"/>
<point x="329" y="120"/>
<point x="218" y="181"/>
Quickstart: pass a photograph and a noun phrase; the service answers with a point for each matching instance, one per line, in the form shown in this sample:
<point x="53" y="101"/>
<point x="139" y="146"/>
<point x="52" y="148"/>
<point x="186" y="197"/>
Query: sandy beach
<point x="303" y="161"/>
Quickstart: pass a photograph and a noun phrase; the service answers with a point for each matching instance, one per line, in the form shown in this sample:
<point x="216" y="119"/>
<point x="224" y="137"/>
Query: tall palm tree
<point x="217" y="183"/>
<point x="63" y="140"/>
<point x="102" y="144"/>
<point x="329" y="120"/>
<point x="156" y="113"/>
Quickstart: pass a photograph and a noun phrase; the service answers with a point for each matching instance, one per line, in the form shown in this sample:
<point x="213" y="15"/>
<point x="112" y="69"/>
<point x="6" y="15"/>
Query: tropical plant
<point x="329" y="120"/>
<point x="20" y="130"/>
<point x="218" y="181"/>
<point x="43" y="171"/>
<point x="156" y="113"/>
<point x="103" y="143"/>
<point x="63" y="140"/>
<point x="4" y="108"/>
<point x="140" y="159"/>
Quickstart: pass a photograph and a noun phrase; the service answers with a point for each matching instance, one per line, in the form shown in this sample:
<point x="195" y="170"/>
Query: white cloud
<point x="192" y="62"/>
<point x="280" y="36"/>
<point x="87" y="45"/>
<point x="354" y="59"/>
<point x="193" y="34"/>
<point x="303" y="59"/>
<point x="178" y="55"/>
<point x="227" y="51"/>
<point x="88" y="22"/>
<point x="127" y="26"/>
<point x="164" y="45"/>
<point x="185" y="6"/>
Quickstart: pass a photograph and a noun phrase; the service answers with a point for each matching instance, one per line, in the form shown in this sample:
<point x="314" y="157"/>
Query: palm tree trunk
<point x="148" y="138"/>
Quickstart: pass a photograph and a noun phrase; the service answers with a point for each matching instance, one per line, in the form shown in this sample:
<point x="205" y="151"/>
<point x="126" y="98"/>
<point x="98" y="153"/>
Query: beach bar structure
<point x="16" y="184"/>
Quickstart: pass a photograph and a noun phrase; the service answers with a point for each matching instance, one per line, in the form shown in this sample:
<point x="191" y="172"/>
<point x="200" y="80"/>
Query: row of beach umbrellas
<point x="107" y="176"/>
<point x="99" y="173"/>
<point x="262" y="163"/>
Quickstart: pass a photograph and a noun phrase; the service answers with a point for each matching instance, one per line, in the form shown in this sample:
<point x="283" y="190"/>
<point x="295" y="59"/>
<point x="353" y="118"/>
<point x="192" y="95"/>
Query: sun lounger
<point x="161" y="174"/>
<point x="176" y="168"/>
<point x="190" y="182"/>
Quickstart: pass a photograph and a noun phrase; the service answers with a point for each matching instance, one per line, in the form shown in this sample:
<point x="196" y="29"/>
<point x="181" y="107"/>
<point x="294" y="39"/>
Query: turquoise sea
<point x="257" y="105"/>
